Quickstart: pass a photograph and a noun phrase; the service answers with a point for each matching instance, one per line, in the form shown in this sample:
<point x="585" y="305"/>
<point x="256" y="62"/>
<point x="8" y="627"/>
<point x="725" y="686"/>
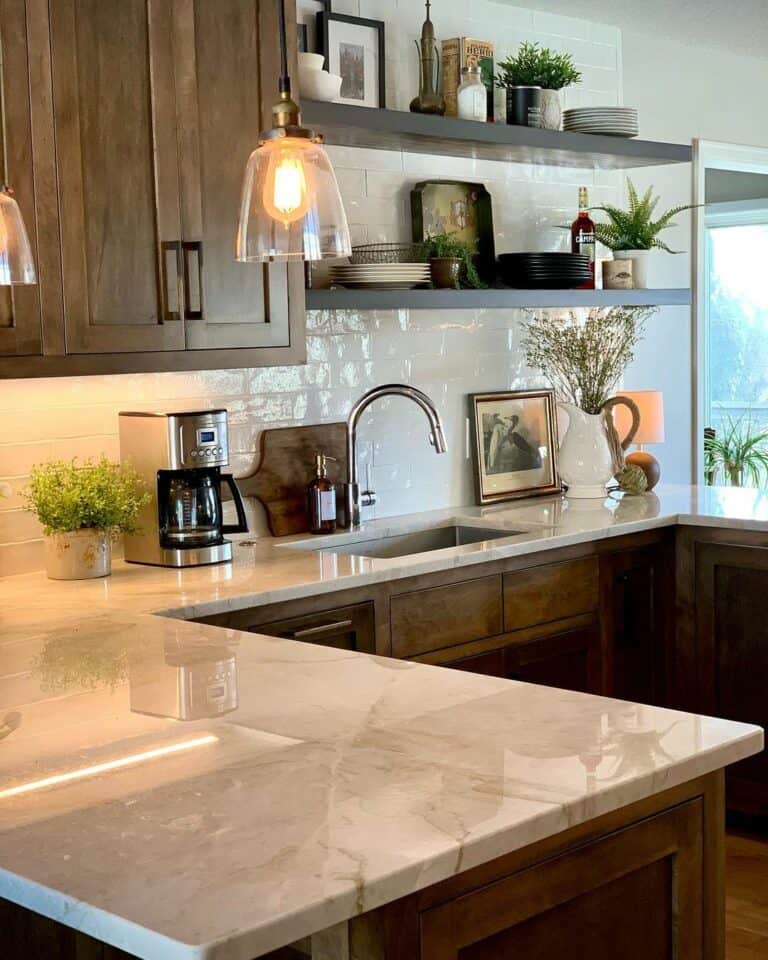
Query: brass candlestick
<point x="429" y="99"/>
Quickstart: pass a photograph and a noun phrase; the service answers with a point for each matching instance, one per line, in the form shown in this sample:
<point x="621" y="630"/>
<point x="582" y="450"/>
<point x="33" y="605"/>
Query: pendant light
<point x="291" y="206"/>
<point x="16" y="263"/>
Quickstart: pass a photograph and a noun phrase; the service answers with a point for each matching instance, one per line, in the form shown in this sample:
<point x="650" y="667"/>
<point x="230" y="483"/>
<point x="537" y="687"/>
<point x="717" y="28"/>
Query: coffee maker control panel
<point x="198" y="440"/>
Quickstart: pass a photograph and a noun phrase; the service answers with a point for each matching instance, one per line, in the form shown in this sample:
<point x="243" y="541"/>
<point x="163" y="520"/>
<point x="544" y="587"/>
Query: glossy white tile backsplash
<point x="449" y="354"/>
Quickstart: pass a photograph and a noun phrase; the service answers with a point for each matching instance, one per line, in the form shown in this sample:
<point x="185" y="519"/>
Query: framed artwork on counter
<point x="354" y="49"/>
<point x="515" y="444"/>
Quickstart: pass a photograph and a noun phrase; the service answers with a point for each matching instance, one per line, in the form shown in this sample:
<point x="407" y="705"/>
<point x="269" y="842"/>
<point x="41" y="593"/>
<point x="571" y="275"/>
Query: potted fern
<point x="633" y="233"/>
<point x="83" y="507"/>
<point x="451" y="262"/>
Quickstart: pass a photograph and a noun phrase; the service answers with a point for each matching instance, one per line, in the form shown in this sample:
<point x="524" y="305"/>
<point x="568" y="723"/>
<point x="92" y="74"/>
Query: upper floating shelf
<point x="493" y="298"/>
<point x="347" y="126"/>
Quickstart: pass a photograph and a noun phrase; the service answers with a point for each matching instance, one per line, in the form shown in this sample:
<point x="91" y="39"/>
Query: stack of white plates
<point x="606" y="121"/>
<point x="390" y="276"/>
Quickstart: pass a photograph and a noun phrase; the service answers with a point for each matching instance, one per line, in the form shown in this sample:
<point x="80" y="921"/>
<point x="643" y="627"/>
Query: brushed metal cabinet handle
<point x="170" y="287"/>
<point x="196" y="247"/>
<point x="319" y="631"/>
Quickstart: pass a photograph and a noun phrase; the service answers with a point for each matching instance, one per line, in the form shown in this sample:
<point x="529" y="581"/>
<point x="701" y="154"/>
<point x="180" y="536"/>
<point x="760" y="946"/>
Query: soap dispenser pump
<point x="321" y="497"/>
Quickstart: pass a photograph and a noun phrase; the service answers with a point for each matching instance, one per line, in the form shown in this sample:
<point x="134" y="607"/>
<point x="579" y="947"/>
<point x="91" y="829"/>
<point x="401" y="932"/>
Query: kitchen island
<point x="429" y="812"/>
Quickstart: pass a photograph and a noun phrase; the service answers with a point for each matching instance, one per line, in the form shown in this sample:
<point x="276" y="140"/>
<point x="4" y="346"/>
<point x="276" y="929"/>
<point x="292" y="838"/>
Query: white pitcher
<point x="586" y="460"/>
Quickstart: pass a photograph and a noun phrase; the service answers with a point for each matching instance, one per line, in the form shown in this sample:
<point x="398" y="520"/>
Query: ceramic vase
<point x="586" y="459"/>
<point x="551" y="112"/>
<point x="640" y="262"/>
<point x="78" y="555"/>
<point x="446" y="272"/>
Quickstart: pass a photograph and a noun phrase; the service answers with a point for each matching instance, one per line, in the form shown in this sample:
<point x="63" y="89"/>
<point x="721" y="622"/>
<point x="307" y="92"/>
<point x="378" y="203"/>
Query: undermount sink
<point x="421" y="541"/>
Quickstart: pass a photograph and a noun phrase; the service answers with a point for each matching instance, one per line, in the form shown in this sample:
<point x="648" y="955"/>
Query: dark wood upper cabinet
<point x="154" y="108"/>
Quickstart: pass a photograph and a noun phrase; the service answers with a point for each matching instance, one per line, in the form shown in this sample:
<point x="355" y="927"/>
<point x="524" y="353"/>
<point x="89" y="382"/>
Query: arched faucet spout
<point x="354" y="499"/>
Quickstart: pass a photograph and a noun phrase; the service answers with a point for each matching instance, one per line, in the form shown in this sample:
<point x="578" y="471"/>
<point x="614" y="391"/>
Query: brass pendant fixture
<point x="291" y="207"/>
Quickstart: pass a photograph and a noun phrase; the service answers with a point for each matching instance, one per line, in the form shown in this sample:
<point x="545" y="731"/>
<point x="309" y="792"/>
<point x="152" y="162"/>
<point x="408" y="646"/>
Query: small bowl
<point x="311" y="61"/>
<point x="319" y="85"/>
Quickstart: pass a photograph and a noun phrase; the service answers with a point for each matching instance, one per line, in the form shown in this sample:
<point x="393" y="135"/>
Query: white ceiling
<point x="740" y="26"/>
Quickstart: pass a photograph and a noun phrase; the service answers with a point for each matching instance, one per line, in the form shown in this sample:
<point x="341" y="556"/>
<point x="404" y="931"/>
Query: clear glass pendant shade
<point x="291" y="206"/>
<point x="16" y="263"/>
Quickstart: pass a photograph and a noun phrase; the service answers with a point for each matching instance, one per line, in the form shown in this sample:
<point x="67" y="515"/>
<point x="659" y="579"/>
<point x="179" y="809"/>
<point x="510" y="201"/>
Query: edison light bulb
<point x="286" y="190"/>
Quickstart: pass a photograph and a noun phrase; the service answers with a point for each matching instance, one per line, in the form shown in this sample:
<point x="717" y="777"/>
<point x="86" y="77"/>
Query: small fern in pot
<point x="633" y="233"/>
<point x="83" y="507"/>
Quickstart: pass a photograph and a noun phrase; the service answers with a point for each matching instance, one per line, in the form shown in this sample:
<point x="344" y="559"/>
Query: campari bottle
<point x="583" y="236"/>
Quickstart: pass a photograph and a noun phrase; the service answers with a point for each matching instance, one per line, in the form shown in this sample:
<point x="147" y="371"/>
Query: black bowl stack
<point x="544" y="271"/>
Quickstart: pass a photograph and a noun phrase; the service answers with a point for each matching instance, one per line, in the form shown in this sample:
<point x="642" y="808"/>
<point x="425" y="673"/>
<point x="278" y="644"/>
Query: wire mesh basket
<point x="389" y="253"/>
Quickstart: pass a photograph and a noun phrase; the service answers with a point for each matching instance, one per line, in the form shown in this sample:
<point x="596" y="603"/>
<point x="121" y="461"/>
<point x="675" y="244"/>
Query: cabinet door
<point x="569" y="660"/>
<point x="224" y="63"/>
<point x="346" y="628"/>
<point x="20" y="316"/>
<point x="119" y="185"/>
<point x="577" y="905"/>
<point x="636" y="614"/>
<point x="732" y="644"/>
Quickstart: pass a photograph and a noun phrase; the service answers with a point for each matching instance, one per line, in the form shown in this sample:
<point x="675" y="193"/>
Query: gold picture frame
<point x="515" y="444"/>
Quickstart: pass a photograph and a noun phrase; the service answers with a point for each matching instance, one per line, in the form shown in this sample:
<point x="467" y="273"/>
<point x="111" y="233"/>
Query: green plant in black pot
<point x="532" y="80"/>
<point x="451" y="262"/>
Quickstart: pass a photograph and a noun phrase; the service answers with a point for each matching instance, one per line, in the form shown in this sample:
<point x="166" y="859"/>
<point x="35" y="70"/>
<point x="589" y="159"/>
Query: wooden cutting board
<point x="287" y="465"/>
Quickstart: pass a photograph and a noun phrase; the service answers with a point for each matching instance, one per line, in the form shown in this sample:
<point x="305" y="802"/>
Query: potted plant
<point x="83" y="507"/>
<point x="533" y="80"/>
<point x="740" y="452"/>
<point x="451" y="262"/>
<point x="584" y="360"/>
<point x="633" y="233"/>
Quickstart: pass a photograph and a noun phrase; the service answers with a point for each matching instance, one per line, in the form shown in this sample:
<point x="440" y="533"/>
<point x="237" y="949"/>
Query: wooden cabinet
<point x="641" y="883"/>
<point x="731" y="644"/>
<point x="554" y="591"/>
<point x="637" y="617"/>
<point x="346" y="628"/>
<point x="570" y="660"/>
<point x="154" y="108"/>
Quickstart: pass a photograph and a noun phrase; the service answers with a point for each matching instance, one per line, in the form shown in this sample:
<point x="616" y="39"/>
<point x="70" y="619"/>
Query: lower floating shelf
<point x="500" y="298"/>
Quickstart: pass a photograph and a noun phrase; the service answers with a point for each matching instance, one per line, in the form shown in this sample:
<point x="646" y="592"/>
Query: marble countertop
<point x="340" y="782"/>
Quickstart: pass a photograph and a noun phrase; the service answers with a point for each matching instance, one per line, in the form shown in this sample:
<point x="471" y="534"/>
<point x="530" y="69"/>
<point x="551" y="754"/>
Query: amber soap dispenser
<point x="321" y="497"/>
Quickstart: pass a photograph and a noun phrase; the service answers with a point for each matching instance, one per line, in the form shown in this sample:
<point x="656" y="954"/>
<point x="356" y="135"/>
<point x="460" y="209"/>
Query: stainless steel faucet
<point x="353" y="498"/>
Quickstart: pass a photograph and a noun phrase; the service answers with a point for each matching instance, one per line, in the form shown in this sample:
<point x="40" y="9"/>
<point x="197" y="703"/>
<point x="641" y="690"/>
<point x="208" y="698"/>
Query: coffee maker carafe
<point x="180" y="456"/>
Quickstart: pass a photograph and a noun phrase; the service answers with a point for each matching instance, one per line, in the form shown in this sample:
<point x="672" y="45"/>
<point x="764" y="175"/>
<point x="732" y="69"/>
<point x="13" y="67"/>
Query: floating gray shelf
<point x="418" y="133"/>
<point x="341" y="299"/>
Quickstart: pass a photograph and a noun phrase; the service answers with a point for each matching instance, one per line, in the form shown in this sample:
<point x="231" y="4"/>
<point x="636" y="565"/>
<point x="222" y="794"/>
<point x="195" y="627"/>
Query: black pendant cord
<point x="285" y="80"/>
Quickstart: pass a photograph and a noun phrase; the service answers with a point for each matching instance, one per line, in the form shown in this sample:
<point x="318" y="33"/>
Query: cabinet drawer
<point x="444" y="616"/>
<point x="347" y="628"/>
<point x="552" y="592"/>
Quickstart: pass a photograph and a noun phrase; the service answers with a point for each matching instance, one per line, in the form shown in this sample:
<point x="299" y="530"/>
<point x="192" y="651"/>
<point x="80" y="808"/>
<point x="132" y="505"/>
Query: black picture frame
<point x="522" y="479"/>
<point x="325" y="19"/>
<point x="306" y="23"/>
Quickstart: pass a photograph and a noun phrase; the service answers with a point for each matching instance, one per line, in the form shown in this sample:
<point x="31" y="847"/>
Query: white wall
<point x="684" y="92"/>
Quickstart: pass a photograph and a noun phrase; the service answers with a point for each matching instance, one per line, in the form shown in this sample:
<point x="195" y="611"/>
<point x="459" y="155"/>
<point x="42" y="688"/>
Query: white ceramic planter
<point x="586" y="464"/>
<point x="79" y="555"/>
<point x="551" y="111"/>
<point x="640" y="263"/>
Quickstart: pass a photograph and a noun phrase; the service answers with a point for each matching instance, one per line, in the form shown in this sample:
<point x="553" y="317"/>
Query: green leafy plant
<point x="537" y="66"/>
<point x="99" y="495"/>
<point x="635" y="228"/>
<point x="444" y="245"/>
<point x="740" y="452"/>
<point x="584" y="358"/>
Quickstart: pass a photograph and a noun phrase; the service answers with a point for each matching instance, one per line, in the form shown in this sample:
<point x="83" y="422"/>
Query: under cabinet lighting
<point x="131" y="760"/>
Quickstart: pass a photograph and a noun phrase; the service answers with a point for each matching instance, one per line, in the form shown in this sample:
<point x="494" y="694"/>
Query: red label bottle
<point x="583" y="236"/>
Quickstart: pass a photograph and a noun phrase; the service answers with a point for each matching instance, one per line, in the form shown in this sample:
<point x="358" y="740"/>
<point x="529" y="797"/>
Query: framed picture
<point x="460" y="209"/>
<point x="354" y="49"/>
<point x="306" y="23"/>
<point x="515" y="444"/>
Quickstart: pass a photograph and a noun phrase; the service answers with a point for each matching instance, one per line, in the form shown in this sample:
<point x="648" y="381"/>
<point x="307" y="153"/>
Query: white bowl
<point x="311" y="61"/>
<point x="319" y="85"/>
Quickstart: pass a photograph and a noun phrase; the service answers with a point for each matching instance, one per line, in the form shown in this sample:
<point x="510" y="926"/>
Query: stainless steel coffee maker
<point x="180" y="458"/>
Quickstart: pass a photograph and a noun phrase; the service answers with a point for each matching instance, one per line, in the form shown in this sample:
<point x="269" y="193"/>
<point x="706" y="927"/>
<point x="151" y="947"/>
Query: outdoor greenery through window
<point x="737" y="374"/>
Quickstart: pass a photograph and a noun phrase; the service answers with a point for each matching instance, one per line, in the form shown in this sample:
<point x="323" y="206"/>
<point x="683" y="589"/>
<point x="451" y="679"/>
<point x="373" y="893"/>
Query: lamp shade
<point x="650" y="403"/>
<point x="16" y="263"/>
<point x="291" y="206"/>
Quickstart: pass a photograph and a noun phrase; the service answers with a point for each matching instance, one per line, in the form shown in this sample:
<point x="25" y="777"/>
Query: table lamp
<point x="650" y="403"/>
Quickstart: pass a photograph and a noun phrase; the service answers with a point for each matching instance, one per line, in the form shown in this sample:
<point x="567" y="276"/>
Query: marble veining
<point x="340" y="782"/>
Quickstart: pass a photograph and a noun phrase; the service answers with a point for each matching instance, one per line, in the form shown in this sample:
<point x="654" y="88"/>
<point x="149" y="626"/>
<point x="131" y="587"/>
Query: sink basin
<point x="421" y="541"/>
